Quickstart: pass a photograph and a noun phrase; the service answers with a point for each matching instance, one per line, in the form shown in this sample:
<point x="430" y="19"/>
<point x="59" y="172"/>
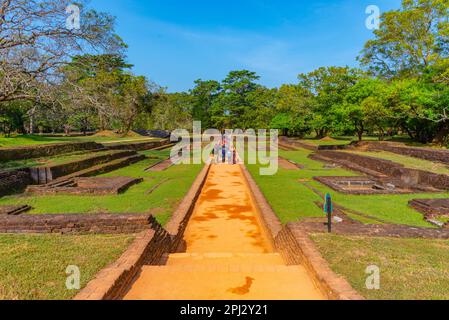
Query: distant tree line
<point x="401" y="87"/>
<point x="54" y="79"/>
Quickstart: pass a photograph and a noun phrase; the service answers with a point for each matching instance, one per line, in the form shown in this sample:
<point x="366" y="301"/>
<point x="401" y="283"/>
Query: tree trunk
<point x="442" y="137"/>
<point x="31" y="115"/>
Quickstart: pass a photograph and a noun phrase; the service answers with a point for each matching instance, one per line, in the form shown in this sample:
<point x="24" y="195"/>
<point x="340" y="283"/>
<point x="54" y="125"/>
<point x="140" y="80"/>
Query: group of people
<point x="225" y="152"/>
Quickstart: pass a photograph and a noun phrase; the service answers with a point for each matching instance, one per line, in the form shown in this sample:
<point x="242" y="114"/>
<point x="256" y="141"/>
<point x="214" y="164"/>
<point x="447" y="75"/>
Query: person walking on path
<point x="223" y="153"/>
<point x="234" y="155"/>
<point x="216" y="153"/>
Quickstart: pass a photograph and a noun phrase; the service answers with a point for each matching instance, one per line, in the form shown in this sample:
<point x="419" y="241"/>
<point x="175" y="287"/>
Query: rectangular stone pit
<point x="360" y="185"/>
<point x="87" y="186"/>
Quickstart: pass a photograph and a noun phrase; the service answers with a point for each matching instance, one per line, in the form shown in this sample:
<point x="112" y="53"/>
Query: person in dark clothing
<point x="223" y="153"/>
<point x="234" y="156"/>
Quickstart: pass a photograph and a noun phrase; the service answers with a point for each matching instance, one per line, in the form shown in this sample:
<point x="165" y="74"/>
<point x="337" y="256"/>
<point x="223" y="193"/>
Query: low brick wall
<point x="270" y="220"/>
<point x="421" y="153"/>
<point x="14" y="181"/>
<point x="39" y="151"/>
<point x="113" y="282"/>
<point x="76" y="223"/>
<point x="180" y="218"/>
<point x="295" y="143"/>
<point x="45" y="175"/>
<point x="296" y="247"/>
<point x="137" y="146"/>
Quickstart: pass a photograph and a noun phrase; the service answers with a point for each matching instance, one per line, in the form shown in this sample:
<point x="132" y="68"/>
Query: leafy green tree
<point x="363" y="104"/>
<point x="327" y="87"/>
<point x="409" y="40"/>
<point x="203" y="96"/>
<point x="233" y="102"/>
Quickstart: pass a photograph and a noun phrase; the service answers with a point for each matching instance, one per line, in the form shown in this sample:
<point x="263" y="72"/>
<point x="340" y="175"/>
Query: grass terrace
<point x="410" y="269"/>
<point x="292" y="200"/>
<point x="33" y="267"/>
<point x="174" y="182"/>
<point x="408" y="162"/>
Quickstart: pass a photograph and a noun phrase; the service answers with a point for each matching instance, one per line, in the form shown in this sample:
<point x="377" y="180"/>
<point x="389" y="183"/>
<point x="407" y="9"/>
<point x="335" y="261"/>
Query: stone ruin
<point x="362" y="185"/>
<point x="433" y="209"/>
<point x="86" y="186"/>
<point x="14" y="210"/>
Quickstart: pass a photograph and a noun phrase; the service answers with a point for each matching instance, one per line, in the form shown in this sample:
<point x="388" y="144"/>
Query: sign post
<point x="328" y="210"/>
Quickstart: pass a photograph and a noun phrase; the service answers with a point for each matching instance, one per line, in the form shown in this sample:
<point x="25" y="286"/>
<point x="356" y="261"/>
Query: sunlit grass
<point x="292" y="200"/>
<point x="410" y="269"/>
<point x="33" y="267"/>
<point x="161" y="202"/>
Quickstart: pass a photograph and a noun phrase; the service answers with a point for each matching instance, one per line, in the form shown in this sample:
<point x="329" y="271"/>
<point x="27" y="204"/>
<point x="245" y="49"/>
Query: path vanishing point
<point x="228" y="256"/>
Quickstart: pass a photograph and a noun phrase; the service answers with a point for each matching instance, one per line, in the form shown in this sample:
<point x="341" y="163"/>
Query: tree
<point x="203" y="96"/>
<point x="364" y="107"/>
<point x="409" y="40"/>
<point x="171" y="111"/>
<point x="35" y="42"/>
<point x="327" y="87"/>
<point x="232" y="106"/>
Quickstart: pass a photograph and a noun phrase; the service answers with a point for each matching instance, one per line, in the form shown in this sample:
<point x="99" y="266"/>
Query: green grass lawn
<point x="410" y="269"/>
<point x="408" y="162"/>
<point x="29" y="140"/>
<point x="292" y="201"/>
<point x="32" y="267"/>
<point x="161" y="202"/>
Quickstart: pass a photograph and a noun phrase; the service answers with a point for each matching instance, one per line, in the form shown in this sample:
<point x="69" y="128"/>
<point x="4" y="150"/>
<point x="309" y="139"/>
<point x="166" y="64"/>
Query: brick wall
<point x="137" y="146"/>
<point x="180" y="218"/>
<point x="270" y="220"/>
<point x="407" y="176"/>
<point x="296" y="143"/>
<point x="65" y="169"/>
<point x="39" y="151"/>
<point x="77" y="223"/>
<point x="296" y="247"/>
<point x="13" y="181"/>
<point x="421" y="153"/>
<point x="113" y="282"/>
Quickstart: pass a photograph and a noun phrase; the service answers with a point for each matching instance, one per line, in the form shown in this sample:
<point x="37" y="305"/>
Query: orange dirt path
<point x="228" y="256"/>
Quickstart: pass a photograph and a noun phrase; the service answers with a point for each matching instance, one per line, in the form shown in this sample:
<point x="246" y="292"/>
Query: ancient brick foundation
<point x="46" y="174"/>
<point x="14" y="181"/>
<point x="86" y="186"/>
<point x="295" y="143"/>
<point x="113" y="282"/>
<point x="180" y="218"/>
<point x="270" y="220"/>
<point x="432" y="209"/>
<point x="76" y="223"/>
<point x="137" y="146"/>
<point x="421" y="153"/>
<point x="288" y="142"/>
<point x="40" y="151"/>
<point x="360" y="185"/>
<point x="404" y="177"/>
<point x="14" y="210"/>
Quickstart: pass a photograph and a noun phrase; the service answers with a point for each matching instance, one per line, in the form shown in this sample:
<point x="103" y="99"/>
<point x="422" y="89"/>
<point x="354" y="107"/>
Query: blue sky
<point x="176" y="42"/>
